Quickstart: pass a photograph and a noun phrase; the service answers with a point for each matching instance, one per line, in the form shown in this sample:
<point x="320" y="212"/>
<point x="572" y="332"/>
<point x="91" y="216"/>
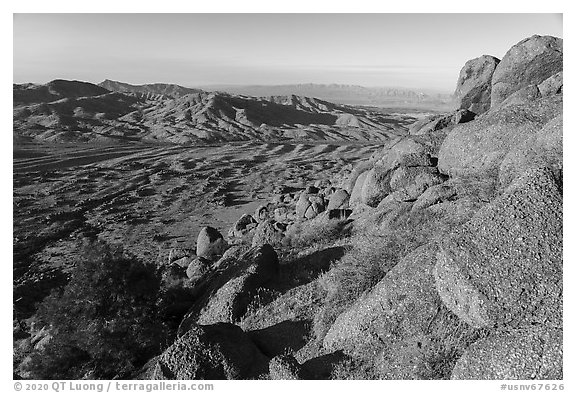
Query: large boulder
<point x="210" y="243"/>
<point x="528" y="354"/>
<point x="504" y="267"/>
<point x="405" y="152"/>
<point x="376" y="186"/>
<point x="231" y="287"/>
<point x="356" y="193"/>
<point x="219" y="351"/>
<point x="474" y="85"/>
<point x="401" y="321"/>
<point x="529" y="62"/>
<point x="477" y="148"/>
<point x="543" y="149"/>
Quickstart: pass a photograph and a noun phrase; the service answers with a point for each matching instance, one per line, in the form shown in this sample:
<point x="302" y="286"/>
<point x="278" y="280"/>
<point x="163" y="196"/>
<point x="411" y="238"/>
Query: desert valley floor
<point x="149" y="197"/>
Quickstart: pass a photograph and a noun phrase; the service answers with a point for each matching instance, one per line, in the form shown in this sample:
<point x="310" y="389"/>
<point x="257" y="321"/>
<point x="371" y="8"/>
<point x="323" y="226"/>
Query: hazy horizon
<point x="413" y="51"/>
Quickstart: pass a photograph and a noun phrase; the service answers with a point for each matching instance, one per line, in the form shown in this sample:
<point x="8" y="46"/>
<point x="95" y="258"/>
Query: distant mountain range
<point x="385" y="97"/>
<point x="72" y="111"/>
<point x="389" y="97"/>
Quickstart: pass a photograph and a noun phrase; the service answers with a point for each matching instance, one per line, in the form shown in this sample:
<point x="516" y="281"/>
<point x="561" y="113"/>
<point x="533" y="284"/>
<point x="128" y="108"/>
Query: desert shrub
<point x="176" y="297"/>
<point x="356" y="369"/>
<point x="367" y="262"/>
<point x="103" y="323"/>
<point x="319" y="231"/>
<point x="449" y="338"/>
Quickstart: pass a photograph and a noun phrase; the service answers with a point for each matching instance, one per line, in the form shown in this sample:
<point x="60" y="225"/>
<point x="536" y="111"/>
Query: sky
<point x="424" y="51"/>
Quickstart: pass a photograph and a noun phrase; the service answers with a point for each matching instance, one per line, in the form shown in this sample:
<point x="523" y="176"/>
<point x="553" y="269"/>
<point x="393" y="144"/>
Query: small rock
<point x="241" y="227"/>
<point x="177" y="253"/>
<point x="302" y="205"/>
<point x="261" y="214"/>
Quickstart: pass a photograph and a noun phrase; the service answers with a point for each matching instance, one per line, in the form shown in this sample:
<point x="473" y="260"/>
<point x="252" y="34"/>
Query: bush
<point x="321" y="230"/>
<point x="104" y="323"/>
<point x="354" y="369"/>
<point x="357" y="271"/>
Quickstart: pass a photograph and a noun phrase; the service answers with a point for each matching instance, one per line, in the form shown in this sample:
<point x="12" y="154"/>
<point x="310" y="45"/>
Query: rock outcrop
<point x="478" y="148"/>
<point x="504" y="267"/>
<point x="529" y="62"/>
<point x="474" y="86"/>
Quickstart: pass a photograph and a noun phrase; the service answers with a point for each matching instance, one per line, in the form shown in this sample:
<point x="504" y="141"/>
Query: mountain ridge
<point x="197" y="117"/>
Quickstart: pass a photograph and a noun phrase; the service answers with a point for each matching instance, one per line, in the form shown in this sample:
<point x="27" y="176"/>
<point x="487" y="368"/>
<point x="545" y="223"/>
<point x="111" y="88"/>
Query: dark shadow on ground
<point x="282" y="337"/>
